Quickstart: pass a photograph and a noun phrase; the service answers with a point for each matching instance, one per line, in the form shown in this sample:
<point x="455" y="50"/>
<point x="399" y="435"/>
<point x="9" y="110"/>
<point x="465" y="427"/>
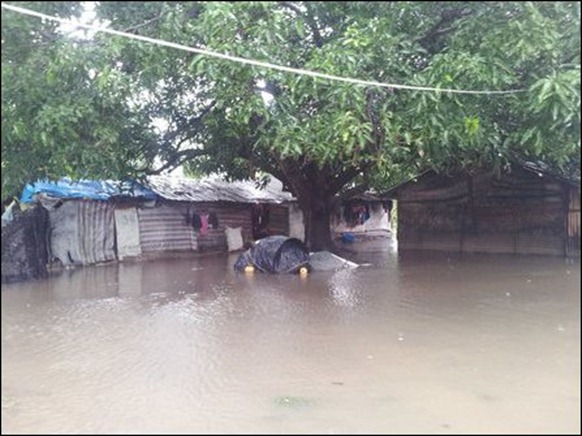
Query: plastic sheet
<point x="88" y="189"/>
<point x="275" y="254"/>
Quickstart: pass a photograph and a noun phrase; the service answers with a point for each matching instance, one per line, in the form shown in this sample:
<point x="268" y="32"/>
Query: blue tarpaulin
<point x="88" y="189"/>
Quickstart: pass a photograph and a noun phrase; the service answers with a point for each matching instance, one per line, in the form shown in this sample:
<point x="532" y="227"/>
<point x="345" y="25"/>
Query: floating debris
<point x="326" y="261"/>
<point x="292" y="402"/>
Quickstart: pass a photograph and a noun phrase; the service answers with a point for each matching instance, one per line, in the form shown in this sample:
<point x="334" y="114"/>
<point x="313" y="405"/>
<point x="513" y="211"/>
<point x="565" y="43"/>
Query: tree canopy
<point x="111" y="106"/>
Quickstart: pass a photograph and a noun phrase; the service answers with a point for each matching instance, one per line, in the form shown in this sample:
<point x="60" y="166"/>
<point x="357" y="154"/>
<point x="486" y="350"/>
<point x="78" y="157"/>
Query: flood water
<point x="414" y="343"/>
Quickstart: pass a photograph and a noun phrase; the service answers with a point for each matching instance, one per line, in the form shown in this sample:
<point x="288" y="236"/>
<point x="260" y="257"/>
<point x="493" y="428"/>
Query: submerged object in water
<point x="275" y="254"/>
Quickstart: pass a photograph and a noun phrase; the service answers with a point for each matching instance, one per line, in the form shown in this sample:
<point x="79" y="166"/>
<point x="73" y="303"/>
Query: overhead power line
<point x="254" y="62"/>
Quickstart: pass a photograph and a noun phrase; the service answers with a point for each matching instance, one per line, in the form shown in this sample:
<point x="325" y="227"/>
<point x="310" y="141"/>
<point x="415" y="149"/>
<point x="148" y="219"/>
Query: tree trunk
<point x="315" y="189"/>
<point x="316" y="215"/>
<point x="320" y="235"/>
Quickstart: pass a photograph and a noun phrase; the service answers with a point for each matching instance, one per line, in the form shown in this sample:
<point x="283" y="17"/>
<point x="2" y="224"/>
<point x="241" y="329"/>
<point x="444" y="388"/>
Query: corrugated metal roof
<point x="370" y="196"/>
<point x="537" y="167"/>
<point x="185" y="189"/>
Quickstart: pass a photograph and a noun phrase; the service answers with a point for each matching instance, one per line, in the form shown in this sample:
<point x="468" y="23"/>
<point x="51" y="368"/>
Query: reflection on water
<point x="414" y="343"/>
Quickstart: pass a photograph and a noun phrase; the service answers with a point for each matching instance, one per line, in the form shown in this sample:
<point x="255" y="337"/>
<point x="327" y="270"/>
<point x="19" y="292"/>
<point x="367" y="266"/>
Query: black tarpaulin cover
<point x="275" y="254"/>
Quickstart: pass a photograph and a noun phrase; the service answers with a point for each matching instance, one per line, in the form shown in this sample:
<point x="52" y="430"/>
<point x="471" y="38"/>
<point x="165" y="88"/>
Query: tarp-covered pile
<point x="275" y="254"/>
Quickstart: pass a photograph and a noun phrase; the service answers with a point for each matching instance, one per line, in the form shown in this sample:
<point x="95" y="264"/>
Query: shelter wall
<point x="90" y="231"/>
<point x="164" y="228"/>
<point x="229" y="215"/>
<point x="573" y="225"/>
<point x="279" y="219"/>
<point x="520" y="213"/>
<point x="296" y="222"/>
<point x="24" y="254"/>
<point x="82" y="232"/>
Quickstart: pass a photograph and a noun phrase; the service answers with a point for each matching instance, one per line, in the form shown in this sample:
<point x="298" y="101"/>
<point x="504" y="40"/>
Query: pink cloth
<point x="203" y="224"/>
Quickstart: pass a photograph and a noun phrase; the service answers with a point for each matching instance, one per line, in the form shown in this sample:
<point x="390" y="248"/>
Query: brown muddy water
<point x="414" y="343"/>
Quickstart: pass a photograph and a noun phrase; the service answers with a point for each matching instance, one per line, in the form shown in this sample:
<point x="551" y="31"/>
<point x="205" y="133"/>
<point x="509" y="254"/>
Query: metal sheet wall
<point x="278" y="219"/>
<point x="164" y="228"/>
<point x="82" y="232"/>
<point x="229" y="215"/>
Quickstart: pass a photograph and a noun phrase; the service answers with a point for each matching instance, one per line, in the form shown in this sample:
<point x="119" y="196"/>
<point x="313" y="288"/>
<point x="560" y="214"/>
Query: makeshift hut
<point x="81" y="217"/>
<point x="99" y="221"/>
<point x="526" y="210"/>
<point x="212" y="209"/>
<point x="365" y="214"/>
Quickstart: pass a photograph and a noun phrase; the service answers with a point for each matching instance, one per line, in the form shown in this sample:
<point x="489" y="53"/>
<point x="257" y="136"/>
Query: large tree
<point x="113" y="106"/>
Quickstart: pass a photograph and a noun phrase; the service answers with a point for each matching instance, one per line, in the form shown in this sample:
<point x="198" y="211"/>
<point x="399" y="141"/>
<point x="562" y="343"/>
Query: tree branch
<point x="178" y="158"/>
<point x="317" y="39"/>
<point x="352" y="192"/>
<point x="344" y="177"/>
<point x="138" y="26"/>
<point x="292" y="172"/>
<point x="443" y="26"/>
<point x="170" y="137"/>
<point x="372" y="101"/>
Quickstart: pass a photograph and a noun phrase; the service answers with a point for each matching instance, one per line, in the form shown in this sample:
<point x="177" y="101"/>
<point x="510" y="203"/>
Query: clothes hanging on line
<point x="196" y="222"/>
<point x="203" y="224"/>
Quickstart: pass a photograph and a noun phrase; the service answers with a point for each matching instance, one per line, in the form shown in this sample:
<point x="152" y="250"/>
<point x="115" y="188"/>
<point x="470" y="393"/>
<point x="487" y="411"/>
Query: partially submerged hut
<point x="527" y="210"/>
<point x="367" y="214"/>
<point x="99" y="221"/>
<point x="211" y="206"/>
<point x="81" y="216"/>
